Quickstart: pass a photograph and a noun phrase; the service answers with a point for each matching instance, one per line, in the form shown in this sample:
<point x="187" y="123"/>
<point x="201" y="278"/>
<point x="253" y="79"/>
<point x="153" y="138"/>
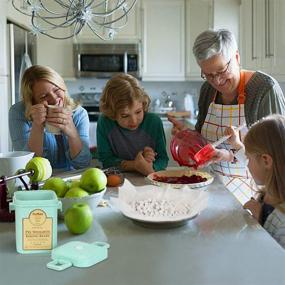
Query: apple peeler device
<point x="5" y="215"/>
<point x="78" y="254"/>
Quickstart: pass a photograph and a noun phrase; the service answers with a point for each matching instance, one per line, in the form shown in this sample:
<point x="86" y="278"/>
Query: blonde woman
<point x="127" y="135"/>
<point x="265" y="153"/>
<point x="42" y="86"/>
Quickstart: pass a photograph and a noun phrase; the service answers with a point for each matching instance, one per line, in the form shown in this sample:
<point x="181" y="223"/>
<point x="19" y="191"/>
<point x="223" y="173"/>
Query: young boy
<point x="127" y="135"/>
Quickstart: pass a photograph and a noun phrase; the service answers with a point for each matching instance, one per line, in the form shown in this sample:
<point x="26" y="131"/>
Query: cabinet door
<point x="57" y="54"/>
<point x="199" y="17"/>
<point x="250" y="51"/>
<point x="276" y="46"/>
<point x="264" y="40"/>
<point x="202" y="15"/>
<point x="131" y="32"/>
<point x="163" y="40"/>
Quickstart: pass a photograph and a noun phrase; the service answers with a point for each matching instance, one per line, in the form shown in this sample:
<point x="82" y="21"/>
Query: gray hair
<point x="210" y="43"/>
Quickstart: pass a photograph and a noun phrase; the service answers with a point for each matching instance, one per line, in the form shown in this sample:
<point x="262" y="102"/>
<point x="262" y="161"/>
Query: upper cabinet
<point x="263" y="39"/>
<point x="163" y="40"/>
<point x="130" y="32"/>
<point x="199" y="17"/>
<point x="202" y="15"/>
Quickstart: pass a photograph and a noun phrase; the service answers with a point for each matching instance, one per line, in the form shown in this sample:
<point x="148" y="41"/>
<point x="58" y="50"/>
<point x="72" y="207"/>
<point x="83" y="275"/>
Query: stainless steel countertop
<point x="223" y="245"/>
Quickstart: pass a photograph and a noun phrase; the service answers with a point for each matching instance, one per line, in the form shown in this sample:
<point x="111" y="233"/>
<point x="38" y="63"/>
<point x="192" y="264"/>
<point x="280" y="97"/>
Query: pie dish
<point x="179" y="173"/>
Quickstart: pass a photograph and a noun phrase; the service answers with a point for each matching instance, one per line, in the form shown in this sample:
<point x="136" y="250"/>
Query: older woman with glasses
<point x="230" y="96"/>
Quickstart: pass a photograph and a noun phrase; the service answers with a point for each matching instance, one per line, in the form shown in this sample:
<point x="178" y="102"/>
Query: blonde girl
<point x="265" y="150"/>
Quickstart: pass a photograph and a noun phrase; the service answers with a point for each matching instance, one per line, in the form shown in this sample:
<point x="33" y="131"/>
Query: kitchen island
<point x="222" y="245"/>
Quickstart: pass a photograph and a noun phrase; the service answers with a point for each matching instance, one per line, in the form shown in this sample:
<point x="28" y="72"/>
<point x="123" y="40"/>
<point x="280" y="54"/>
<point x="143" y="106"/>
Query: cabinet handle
<point x="253" y="56"/>
<point x="125" y="62"/>
<point x="266" y="28"/>
<point x="143" y="40"/>
<point x="270" y="43"/>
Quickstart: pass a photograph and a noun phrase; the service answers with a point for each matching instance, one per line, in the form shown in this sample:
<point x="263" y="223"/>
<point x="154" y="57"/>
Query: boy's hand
<point x="142" y="165"/>
<point x="149" y="154"/>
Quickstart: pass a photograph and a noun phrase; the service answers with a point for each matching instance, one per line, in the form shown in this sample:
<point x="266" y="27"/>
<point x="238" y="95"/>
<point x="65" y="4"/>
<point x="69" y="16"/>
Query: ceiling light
<point x="63" y="19"/>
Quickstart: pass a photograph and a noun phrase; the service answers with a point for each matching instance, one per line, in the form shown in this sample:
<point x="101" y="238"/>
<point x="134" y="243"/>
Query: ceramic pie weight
<point x="37" y="169"/>
<point x="78" y="254"/>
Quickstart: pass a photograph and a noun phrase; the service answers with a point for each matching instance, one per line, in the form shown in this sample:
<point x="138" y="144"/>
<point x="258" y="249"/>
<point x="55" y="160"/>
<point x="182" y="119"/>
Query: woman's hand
<point x="149" y="154"/>
<point x="254" y="207"/>
<point x="219" y="155"/>
<point x="62" y="119"/>
<point x="177" y="125"/>
<point x="38" y="114"/>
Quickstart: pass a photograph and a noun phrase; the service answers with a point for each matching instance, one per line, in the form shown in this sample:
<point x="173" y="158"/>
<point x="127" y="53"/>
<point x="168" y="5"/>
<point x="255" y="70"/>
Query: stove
<point x="90" y="102"/>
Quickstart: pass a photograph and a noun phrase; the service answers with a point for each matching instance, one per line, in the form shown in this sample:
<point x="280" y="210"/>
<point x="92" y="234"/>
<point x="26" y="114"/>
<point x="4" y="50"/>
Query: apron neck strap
<point x="241" y="88"/>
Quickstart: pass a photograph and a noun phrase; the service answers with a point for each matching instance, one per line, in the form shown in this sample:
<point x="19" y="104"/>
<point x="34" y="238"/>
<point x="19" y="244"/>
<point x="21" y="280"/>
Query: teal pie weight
<point x="79" y="254"/>
<point x="36" y="220"/>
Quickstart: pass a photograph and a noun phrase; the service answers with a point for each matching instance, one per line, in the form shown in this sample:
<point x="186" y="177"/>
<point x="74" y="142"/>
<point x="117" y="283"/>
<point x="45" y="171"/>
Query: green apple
<point x="41" y="167"/>
<point x="72" y="183"/>
<point x="76" y="192"/>
<point x="78" y="218"/>
<point x="93" y="180"/>
<point x="75" y="183"/>
<point x="57" y="185"/>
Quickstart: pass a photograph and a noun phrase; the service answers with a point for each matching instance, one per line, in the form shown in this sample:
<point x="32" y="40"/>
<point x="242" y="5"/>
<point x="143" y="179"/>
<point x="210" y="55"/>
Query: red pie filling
<point x="180" y="180"/>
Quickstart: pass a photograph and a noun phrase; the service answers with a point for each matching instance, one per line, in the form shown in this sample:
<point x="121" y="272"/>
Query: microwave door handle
<point x="78" y="62"/>
<point x="126" y="62"/>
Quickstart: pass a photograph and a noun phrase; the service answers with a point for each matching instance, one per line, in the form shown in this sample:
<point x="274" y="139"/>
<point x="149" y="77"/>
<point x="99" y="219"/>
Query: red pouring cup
<point x="184" y="145"/>
<point x="207" y="152"/>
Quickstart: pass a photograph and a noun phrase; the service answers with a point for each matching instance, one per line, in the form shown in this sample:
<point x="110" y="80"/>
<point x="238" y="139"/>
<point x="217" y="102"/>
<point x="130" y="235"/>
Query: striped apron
<point x="234" y="175"/>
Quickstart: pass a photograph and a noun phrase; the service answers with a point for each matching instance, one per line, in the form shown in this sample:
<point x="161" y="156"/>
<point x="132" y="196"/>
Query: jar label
<point x="37" y="231"/>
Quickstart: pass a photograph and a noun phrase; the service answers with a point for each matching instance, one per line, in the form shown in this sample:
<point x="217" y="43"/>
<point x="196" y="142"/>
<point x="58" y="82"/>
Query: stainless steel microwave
<point x="105" y="60"/>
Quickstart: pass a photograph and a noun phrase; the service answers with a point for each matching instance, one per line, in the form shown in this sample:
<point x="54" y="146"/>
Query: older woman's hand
<point x="177" y="125"/>
<point x="219" y="155"/>
<point x="62" y="119"/>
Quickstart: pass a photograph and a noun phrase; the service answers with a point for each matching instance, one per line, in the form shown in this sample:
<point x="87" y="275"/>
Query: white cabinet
<point x="263" y="39"/>
<point x="58" y="54"/>
<point x="131" y="32"/>
<point x="199" y="17"/>
<point x="202" y="15"/>
<point x="163" y="40"/>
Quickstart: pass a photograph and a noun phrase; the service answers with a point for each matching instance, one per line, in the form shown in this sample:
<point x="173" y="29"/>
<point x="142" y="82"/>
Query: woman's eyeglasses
<point x="221" y="74"/>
